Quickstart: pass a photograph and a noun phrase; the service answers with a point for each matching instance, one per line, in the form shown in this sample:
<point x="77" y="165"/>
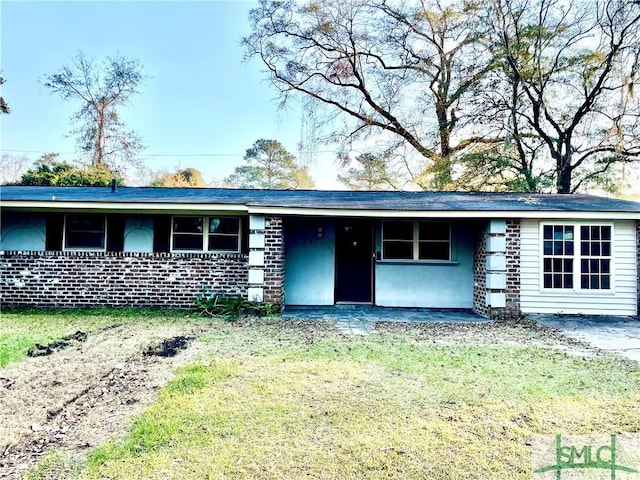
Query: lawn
<point x="274" y="400"/>
<point x="19" y="331"/>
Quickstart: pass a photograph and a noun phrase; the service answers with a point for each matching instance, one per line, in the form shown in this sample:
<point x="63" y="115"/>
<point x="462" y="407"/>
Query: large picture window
<point x="205" y="234"/>
<point x="408" y="240"/>
<point x="576" y="257"/>
<point x="85" y="232"/>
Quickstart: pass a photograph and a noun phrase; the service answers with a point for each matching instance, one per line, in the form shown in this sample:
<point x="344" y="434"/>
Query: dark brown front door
<point x="354" y="261"/>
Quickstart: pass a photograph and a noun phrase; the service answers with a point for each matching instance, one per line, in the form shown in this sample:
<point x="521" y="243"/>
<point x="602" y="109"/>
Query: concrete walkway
<point x="361" y="319"/>
<point x="619" y="335"/>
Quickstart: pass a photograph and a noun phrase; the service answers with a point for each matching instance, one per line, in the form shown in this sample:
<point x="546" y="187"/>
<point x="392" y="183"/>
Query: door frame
<point x="371" y="224"/>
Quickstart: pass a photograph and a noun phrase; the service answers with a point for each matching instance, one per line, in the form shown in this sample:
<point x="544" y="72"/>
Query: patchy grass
<point x="278" y="400"/>
<point x="47" y="468"/>
<point x="21" y="330"/>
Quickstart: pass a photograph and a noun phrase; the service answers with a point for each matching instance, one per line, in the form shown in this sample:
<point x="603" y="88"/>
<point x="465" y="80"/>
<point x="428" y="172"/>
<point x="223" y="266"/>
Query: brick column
<point x="266" y="260"/>
<point x="255" y="292"/>
<point x="274" y="261"/>
<point x="480" y="273"/>
<point x="513" y="267"/>
<point x="496" y="245"/>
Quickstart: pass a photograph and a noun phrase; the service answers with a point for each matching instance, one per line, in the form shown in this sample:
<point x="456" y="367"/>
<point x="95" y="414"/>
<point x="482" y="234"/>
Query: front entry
<point x="354" y="261"/>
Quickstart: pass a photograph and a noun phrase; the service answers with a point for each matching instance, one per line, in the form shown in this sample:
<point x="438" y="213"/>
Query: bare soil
<point x="77" y="395"/>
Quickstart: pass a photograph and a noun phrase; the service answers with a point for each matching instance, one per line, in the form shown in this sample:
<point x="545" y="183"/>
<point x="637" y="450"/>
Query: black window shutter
<point x="244" y="240"/>
<point x="115" y="233"/>
<point x="54" y="227"/>
<point x="161" y="233"/>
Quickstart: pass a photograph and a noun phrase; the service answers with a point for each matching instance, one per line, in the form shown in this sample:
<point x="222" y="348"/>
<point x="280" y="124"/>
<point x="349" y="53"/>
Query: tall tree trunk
<point x="564" y="172"/>
<point x="99" y="153"/>
<point x="442" y="168"/>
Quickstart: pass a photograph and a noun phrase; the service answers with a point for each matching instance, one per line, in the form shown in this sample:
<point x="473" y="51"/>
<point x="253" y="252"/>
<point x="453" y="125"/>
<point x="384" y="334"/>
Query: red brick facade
<point x="88" y="279"/>
<point x="513" y="268"/>
<point x="511" y="256"/>
<point x="480" y="273"/>
<point x="274" y="261"/>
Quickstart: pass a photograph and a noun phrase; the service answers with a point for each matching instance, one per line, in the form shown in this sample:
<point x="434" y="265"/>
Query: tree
<point x="189" y="177"/>
<point x="4" y="108"/>
<point x="269" y="165"/>
<point x="570" y="70"/>
<point x="371" y="172"/>
<point x="47" y="171"/>
<point x="12" y="167"/>
<point x="407" y="73"/>
<point x="100" y="92"/>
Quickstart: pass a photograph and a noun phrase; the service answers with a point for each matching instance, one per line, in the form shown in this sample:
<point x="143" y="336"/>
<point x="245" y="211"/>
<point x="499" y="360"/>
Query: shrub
<point x="232" y="308"/>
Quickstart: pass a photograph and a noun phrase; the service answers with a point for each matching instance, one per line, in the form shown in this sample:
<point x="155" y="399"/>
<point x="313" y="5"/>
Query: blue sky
<point x="200" y="98"/>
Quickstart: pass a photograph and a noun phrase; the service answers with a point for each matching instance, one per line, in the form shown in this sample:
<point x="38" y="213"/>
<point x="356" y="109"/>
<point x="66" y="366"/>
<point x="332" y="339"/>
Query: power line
<point x="145" y="155"/>
<point x="150" y="155"/>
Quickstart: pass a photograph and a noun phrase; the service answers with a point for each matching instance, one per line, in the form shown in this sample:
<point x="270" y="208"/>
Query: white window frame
<point x="205" y="234"/>
<point x="577" y="257"/>
<point x="416" y="242"/>
<point x="84" y="249"/>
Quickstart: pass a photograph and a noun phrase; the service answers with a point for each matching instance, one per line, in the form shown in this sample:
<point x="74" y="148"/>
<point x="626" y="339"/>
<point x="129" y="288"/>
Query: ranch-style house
<point x="500" y="254"/>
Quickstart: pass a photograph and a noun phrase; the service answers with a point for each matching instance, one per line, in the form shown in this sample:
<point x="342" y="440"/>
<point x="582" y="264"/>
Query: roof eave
<point x="172" y="207"/>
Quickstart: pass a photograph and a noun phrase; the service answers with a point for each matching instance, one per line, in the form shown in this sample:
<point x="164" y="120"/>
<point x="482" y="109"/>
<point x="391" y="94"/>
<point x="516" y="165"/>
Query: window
<point x="85" y="232"/>
<point x="206" y="234"/>
<point x="595" y="253"/>
<point x="567" y="267"/>
<point x="406" y="240"/>
<point x="558" y="246"/>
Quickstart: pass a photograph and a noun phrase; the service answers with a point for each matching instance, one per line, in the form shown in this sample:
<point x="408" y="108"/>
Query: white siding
<point x="620" y="300"/>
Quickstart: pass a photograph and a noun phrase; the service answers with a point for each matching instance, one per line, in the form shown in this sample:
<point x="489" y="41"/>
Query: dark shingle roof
<point x="343" y="200"/>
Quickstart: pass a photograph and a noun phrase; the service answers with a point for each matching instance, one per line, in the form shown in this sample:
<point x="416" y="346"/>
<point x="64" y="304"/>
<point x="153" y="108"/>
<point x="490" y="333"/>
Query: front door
<point x="354" y="261"/>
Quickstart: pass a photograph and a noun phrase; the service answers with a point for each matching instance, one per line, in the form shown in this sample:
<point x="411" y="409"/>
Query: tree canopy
<point x="48" y="171"/>
<point x="369" y="172"/>
<point x="569" y="72"/>
<point x="101" y="91"/>
<point x="12" y="167"/>
<point x="189" y="177"/>
<point x="267" y="164"/>
<point x="506" y="94"/>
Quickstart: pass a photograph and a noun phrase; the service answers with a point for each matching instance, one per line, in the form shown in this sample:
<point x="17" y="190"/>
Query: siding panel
<point x="621" y="301"/>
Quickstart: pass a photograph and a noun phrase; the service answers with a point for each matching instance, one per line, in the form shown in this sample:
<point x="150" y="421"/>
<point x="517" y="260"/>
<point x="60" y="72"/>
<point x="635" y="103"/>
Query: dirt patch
<point x="80" y="395"/>
<point x="42" y="350"/>
<point x="169" y="347"/>
<point x="521" y="332"/>
<point x="85" y="391"/>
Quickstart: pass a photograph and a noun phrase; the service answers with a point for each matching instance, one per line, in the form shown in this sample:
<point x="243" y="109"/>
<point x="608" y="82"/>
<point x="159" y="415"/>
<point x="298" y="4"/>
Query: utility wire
<point x="3" y="150"/>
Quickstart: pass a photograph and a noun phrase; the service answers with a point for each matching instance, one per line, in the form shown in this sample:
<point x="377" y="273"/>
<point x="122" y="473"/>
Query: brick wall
<point x="87" y="279"/>
<point x="274" y="261"/>
<point x="480" y="273"/>
<point x="506" y="277"/>
<point x="513" y="267"/>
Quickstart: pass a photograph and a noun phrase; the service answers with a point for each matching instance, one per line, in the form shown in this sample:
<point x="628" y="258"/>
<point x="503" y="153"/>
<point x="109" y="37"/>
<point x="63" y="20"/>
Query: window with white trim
<point x="85" y="232"/>
<point x="205" y="234"/>
<point x="595" y="261"/>
<point x="408" y="240"/>
<point x="565" y="266"/>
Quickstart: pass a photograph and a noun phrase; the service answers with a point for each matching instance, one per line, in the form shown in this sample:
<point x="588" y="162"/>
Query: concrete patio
<point x="360" y="319"/>
<point x="620" y="335"/>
